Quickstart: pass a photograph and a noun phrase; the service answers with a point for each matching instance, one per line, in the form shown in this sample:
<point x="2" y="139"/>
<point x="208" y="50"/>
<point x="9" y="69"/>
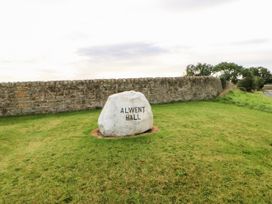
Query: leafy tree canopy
<point x="231" y="71"/>
<point x="263" y="73"/>
<point x="248" y="79"/>
<point x="199" y="70"/>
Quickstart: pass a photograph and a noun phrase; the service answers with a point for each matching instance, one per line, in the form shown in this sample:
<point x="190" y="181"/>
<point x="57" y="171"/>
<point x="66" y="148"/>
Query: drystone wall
<point x="267" y="87"/>
<point x="22" y="98"/>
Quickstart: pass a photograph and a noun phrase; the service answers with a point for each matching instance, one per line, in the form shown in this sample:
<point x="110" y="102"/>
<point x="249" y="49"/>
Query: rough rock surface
<point x="126" y="113"/>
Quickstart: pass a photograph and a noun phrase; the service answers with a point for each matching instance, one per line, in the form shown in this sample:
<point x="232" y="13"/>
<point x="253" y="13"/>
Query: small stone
<point x="126" y="113"/>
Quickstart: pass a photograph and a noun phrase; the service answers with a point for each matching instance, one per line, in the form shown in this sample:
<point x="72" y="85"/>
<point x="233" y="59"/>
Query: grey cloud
<point x="191" y="4"/>
<point x="122" y="51"/>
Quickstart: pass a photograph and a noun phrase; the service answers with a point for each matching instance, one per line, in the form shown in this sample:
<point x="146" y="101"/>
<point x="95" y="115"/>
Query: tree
<point x="251" y="80"/>
<point x="199" y="70"/>
<point x="263" y="73"/>
<point x="230" y="71"/>
<point x="251" y="83"/>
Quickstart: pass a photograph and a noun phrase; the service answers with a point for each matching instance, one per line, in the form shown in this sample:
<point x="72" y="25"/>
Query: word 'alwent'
<point x="133" y="110"/>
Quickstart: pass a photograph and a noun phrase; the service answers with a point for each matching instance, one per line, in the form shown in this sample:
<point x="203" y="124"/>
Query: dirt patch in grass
<point x="96" y="133"/>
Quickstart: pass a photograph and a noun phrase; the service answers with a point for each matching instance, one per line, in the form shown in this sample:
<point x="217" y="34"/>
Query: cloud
<point x="16" y="61"/>
<point x="122" y="51"/>
<point x="192" y="4"/>
<point x="251" y="41"/>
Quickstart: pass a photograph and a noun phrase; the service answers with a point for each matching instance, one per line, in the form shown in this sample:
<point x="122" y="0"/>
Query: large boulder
<point x="126" y="113"/>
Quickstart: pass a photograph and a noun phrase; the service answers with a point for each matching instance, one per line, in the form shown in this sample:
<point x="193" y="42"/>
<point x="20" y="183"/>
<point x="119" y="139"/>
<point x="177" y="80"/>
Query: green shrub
<point x="246" y="84"/>
<point x="258" y="83"/>
<point x="251" y="83"/>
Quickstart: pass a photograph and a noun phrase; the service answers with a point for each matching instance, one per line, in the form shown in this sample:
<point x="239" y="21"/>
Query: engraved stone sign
<point x="126" y="113"/>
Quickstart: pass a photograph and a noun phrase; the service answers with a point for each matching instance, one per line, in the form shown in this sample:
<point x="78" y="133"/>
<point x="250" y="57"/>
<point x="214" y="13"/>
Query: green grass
<point x="205" y="152"/>
<point x="256" y="100"/>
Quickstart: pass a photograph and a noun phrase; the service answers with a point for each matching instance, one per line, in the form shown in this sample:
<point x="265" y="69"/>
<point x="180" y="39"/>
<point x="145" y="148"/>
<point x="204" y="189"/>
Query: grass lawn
<point x="205" y="152"/>
<point x="257" y="100"/>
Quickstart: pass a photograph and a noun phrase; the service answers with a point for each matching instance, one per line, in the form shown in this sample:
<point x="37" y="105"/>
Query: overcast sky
<point x="84" y="39"/>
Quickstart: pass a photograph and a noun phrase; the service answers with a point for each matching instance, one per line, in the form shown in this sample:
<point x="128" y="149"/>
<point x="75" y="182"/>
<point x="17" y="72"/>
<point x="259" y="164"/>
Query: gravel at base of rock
<point x="124" y="114"/>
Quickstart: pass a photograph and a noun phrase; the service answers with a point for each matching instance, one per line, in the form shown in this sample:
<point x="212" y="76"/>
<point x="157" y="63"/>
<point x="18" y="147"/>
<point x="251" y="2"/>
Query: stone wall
<point x="267" y="87"/>
<point x="59" y="96"/>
